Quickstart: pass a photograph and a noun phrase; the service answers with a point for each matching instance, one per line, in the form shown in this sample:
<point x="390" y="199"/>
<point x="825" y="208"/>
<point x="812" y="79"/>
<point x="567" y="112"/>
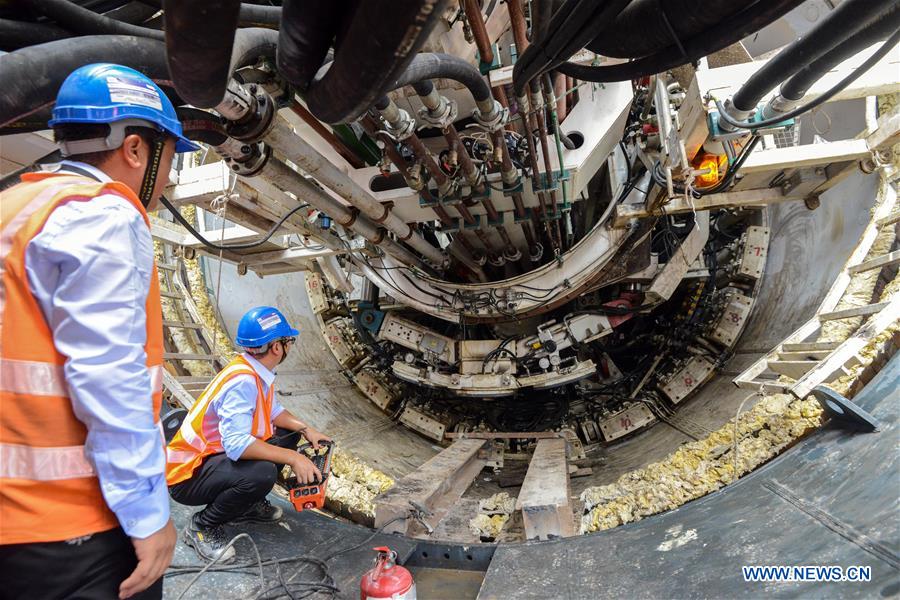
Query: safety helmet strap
<point x="152" y="171"/>
<point x="113" y="140"/>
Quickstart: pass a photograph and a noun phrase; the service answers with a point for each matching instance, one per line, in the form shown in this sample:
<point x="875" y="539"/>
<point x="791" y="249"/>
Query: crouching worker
<point x="237" y="437"/>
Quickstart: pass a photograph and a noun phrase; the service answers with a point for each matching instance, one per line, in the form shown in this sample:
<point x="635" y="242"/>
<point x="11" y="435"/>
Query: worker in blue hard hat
<point x="237" y="437"/>
<point x="83" y="505"/>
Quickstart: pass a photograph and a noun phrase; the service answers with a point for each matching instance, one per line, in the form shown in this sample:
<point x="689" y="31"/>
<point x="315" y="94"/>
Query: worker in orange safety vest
<point x="237" y="437"/>
<point x="83" y="505"/>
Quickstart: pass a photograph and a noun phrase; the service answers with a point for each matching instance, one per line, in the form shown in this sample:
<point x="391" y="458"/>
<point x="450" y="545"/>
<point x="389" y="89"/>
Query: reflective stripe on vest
<point x="41" y="439"/>
<point x="199" y="437"/>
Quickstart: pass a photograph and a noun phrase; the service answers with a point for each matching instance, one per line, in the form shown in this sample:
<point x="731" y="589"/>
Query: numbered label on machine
<point x="688" y="378"/>
<point x="625" y="421"/>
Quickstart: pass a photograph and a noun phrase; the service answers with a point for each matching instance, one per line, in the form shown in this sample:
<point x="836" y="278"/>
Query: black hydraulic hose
<point x="796" y="87"/>
<point x="199" y="38"/>
<point x="431" y="65"/>
<point x="18" y="34"/>
<point x="132" y="12"/>
<point x="570" y="29"/>
<point x="242" y="246"/>
<point x="746" y="22"/>
<point x="249" y="15"/>
<point x="304" y="40"/>
<point x="86" y="22"/>
<point x="849" y="16"/>
<point x="378" y="45"/>
<point x="202" y="126"/>
<point x="648" y="26"/>
<point x="831" y="93"/>
<point x="32" y="76"/>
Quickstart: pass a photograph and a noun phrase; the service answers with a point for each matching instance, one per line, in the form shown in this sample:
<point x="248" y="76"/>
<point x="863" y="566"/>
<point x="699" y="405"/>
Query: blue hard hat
<point x="106" y="93"/>
<point x="262" y="325"/>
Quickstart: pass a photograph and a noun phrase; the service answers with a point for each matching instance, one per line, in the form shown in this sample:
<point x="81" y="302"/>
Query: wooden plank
<point x="544" y="497"/>
<point x="745" y="198"/>
<point x="795" y="369"/>
<point x="848" y="350"/>
<point x="181" y="325"/>
<point x="810" y="346"/>
<point x="436" y="485"/>
<point x="174" y="387"/>
<point x="804" y="355"/>
<point x="501" y="435"/>
<point x="889" y="219"/>
<point x="886" y="260"/>
<point x="856" y="311"/>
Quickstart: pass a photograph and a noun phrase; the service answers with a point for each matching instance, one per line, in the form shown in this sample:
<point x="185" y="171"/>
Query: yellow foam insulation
<point x="776" y="421"/>
<point x="354" y="483"/>
<point x="495" y="512"/>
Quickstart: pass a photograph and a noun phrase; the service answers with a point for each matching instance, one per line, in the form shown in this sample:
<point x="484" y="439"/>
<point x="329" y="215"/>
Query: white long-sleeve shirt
<point x="89" y="270"/>
<point x="235" y="404"/>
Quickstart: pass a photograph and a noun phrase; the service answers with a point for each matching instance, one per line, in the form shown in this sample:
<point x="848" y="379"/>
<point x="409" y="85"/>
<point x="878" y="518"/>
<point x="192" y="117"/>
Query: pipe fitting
<point x="512" y="254"/>
<point x="777" y="106"/>
<point x="442" y="116"/>
<point x="734" y="113"/>
<point x="493" y="118"/>
<point x="257" y="121"/>
<point x="479" y="257"/>
<point x="497" y="260"/>
<point x="536" y="252"/>
<point x="401" y="126"/>
<point x="250" y="161"/>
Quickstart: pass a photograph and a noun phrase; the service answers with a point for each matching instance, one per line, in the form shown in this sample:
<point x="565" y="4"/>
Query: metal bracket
<point x="501" y="116"/>
<point x="844" y="412"/>
<point x="440" y="118"/>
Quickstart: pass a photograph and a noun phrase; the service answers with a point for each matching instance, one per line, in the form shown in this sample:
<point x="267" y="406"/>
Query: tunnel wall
<point x="807" y="250"/>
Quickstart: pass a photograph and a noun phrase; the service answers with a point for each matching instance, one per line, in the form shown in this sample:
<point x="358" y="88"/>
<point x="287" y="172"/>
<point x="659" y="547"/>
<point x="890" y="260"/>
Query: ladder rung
<point x="166" y="294"/>
<point x="804" y="355"/>
<point x="892" y="258"/>
<point x="180" y="325"/>
<point x="888" y="220"/>
<point x="166" y="266"/>
<point x="187" y="356"/>
<point x="810" y="346"/>
<point x="795" y="369"/>
<point x="187" y="379"/>
<point x="857" y="311"/>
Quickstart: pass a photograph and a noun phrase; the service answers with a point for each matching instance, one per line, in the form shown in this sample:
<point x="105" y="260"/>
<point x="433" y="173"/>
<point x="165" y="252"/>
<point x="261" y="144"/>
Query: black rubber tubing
<point x="745" y="23"/>
<point x="850" y="15"/>
<point x="19" y="34"/>
<point x="304" y="40"/>
<point x="86" y="22"/>
<point x="378" y="45"/>
<point x="32" y="75"/>
<point x="797" y="86"/>
<point x="199" y="39"/>
<point x="250" y="15"/>
<point x="641" y="29"/>
<point x="432" y="65"/>
<point x="202" y="126"/>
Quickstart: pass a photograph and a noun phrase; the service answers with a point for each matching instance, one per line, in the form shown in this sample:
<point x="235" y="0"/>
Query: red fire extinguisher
<point x="387" y="580"/>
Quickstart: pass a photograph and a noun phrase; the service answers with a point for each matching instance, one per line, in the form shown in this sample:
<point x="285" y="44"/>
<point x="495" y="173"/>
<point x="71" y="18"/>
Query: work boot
<point x="260" y="512"/>
<point x="209" y="542"/>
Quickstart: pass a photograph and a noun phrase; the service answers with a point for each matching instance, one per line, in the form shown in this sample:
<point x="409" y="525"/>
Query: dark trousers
<point x="91" y="569"/>
<point x="227" y="487"/>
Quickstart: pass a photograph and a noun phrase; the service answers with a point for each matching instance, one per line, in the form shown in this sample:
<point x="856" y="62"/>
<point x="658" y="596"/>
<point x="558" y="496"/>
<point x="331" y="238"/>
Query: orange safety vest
<point x="48" y="489"/>
<point x="199" y="436"/>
